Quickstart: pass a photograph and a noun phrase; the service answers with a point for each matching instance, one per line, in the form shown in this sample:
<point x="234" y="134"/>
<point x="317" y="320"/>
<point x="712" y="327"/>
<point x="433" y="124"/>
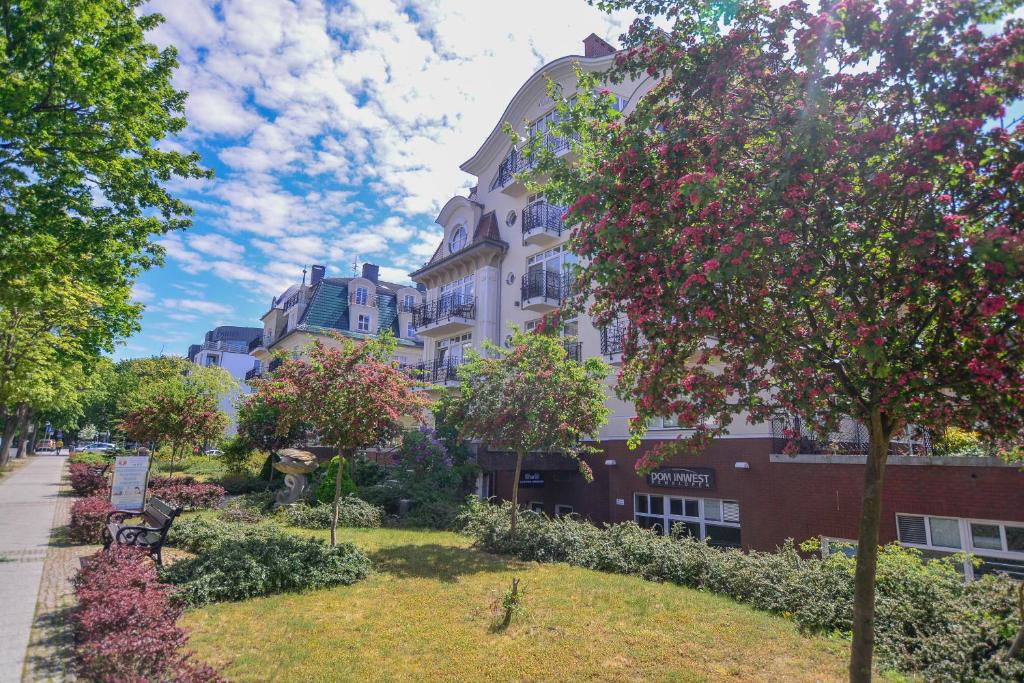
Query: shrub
<point x="89" y="458"/>
<point x="85" y="479"/>
<point x="189" y="496"/>
<point x="325" y="491"/>
<point x="199" y="534"/>
<point x="89" y="519"/>
<point x="352" y="512"/>
<point x="247" y="509"/>
<point x="959" y="442"/>
<point x="236" y="455"/>
<point x="368" y="473"/>
<point x="928" y="622"/>
<point x="124" y="624"/>
<point x="235" y="484"/>
<point x="432" y="514"/>
<point x="383" y="496"/>
<point x="248" y="561"/>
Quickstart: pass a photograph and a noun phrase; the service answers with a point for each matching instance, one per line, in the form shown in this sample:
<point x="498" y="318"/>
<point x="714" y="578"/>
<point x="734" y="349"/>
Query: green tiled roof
<point x="329" y="307"/>
<point x="387" y="313"/>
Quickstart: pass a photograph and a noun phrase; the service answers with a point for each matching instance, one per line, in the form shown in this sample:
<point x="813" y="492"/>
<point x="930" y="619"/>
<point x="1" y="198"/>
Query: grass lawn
<point x="427" y="614"/>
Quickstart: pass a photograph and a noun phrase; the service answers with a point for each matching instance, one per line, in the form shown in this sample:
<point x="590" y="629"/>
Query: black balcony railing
<point x="517" y="161"/>
<point x="253" y="373"/>
<point x="850" y="439"/>
<point x="446" y="308"/>
<point x="546" y="284"/>
<point x="613" y="338"/>
<point x="574" y="350"/>
<point x="437" y="371"/>
<point x="543" y="216"/>
<point x="274" y="364"/>
<point x="255" y="343"/>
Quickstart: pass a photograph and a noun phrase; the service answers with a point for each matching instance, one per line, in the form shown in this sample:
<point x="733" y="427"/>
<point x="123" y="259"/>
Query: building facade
<point x="504" y="261"/>
<point x="228" y="347"/>
<point x="357" y="307"/>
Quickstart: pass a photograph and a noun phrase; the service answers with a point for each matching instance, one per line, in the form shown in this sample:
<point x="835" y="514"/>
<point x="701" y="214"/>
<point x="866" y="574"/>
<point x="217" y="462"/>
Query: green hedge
<point x="929" y="622"/>
<point x="239" y="561"/>
<point x="352" y="512"/>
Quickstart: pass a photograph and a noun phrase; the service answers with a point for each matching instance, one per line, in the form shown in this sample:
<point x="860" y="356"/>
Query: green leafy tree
<point x="84" y="102"/>
<point x="353" y="396"/>
<point x="815" y="213"/>
<point x="529" y="398"/>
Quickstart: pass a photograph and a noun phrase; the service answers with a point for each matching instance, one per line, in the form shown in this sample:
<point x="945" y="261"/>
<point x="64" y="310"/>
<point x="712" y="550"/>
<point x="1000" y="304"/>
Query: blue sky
<point x="335" y="130"/>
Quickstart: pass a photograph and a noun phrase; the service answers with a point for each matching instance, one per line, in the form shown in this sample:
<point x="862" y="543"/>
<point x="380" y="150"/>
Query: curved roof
<point x="454" y="204"/>
<point x="522" y="99"/>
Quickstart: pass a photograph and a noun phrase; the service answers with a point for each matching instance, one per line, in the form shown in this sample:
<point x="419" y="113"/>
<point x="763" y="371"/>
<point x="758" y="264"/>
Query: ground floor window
<point x="536" y="506"/>
<point x="999" y="545"/>
<point x="713" y="519"/>
<point x="485" y="485"/>
<point x="562" y="510"/>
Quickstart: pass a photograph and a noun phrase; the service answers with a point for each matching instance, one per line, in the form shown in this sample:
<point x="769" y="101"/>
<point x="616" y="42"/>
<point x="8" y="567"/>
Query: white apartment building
<point x="228" y="347"/>
<point x="503" y="262"/>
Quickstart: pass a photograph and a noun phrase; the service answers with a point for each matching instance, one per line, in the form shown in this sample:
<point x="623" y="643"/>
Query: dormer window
<point x="361" y="296"/>
<point x="458" y="239"/>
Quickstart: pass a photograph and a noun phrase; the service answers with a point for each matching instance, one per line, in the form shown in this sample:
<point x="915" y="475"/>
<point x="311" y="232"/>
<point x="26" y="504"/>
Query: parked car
<point x="98" y="447"/>
<point x="214" y="451"/>
<point x="46" y="445"/>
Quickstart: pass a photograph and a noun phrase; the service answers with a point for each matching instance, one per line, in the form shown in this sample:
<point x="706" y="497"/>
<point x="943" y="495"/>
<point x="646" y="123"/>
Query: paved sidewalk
<point x="28" y="499"/>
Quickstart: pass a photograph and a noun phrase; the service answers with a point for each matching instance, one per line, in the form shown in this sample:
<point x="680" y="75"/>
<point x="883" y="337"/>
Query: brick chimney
<point x="317" y="274"/>
<point x="593" y="46"/>
<point x="371" y="272"/>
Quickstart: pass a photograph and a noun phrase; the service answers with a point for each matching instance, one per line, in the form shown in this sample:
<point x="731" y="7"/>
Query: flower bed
<point x="88" y="519"/>
<point x="929" y="622"/>
<point x="124" y="625"/>
<point x="187" y="495"/>
<point x="86" y="479"/>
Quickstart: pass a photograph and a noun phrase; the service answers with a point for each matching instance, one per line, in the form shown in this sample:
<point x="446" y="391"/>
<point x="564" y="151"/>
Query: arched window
<point x="457" y="240"/>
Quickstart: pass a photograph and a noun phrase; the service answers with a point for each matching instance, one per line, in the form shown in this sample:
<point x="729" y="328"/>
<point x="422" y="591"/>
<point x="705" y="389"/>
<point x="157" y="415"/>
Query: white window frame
<point x="362" y="295"/>
<point x="966" y="539"/>
<point x="409" y="300"/>
<point x="562" y="510"/>
<point x="701" y="519"/>
<point x="360" y="320"/>
<point x="462" y="234"/>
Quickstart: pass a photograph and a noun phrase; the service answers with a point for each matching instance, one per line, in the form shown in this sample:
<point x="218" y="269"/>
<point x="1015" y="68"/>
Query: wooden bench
<point x="149" y="534"/>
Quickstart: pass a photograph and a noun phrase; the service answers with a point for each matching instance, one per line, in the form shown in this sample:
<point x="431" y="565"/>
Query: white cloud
<point x="201" y="306"/>
<point x="142" y="294"/>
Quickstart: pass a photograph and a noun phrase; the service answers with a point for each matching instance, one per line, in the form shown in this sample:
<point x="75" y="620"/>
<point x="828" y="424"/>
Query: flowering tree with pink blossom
<point x="529" y="398"/>
<point x="819" y="214"/>
<point x="352" y="396"/>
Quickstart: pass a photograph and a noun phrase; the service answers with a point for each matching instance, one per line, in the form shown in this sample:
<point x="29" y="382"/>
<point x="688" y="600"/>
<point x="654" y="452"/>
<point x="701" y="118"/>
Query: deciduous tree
<point x="813" y="212"/>
<point x="529" y="398"/>
<point x="352" y="396"/>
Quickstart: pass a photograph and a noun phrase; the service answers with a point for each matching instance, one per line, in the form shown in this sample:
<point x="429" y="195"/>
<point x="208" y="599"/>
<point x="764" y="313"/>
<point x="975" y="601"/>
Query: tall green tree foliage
<point x="529" y="398"/>
<point x="84" y="102"/>
<point x="816" y="213"/>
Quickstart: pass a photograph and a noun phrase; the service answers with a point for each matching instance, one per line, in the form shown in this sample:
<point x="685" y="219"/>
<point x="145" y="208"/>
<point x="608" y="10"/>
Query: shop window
<point x="711" y="519"/>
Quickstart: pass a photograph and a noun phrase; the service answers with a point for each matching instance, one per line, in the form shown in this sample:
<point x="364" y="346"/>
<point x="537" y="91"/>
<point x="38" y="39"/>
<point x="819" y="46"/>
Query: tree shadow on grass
<point x="434" y="561"/>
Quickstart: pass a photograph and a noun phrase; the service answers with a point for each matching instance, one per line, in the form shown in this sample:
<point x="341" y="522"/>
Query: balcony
<point x="543" y="290"/>
<point x="573" y="351"/>
<point x="542" y="223"/>
<point x="517" y="161"/>
<point x="851" y="439"/>
<point x="254" y="373"/>
<point x="447" y="315"/>
<point x="613" y="339"/>
<point x="438" y="371"/>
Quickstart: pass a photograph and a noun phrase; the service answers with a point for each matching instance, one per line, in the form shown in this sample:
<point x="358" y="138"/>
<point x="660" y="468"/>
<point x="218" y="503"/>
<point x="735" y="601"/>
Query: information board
<point x="128" y="487"/>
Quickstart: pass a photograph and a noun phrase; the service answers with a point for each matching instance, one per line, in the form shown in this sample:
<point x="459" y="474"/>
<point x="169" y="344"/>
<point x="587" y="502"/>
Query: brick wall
<point x="786" y="499"/>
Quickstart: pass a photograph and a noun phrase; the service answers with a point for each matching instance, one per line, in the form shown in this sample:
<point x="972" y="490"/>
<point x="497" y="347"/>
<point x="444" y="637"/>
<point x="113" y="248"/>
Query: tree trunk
<point x="337" y="498"/>
<point x="23" y="425"/>
<point x="515" y="491"/>
<point x="35" y="437"/>
<point x="10" y="422"/>
<point x="862" y="647"/>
